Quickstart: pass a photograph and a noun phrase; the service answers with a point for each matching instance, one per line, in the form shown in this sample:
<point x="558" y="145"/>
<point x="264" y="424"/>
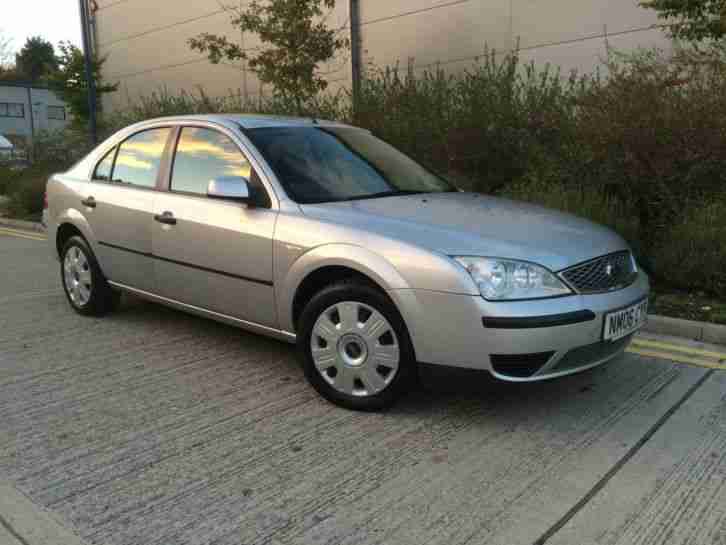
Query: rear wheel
<point x="355" y="347"/>
<point x="88" y="291"/>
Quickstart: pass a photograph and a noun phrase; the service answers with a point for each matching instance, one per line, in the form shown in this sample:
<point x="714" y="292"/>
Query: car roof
<point x="254" y="121"/>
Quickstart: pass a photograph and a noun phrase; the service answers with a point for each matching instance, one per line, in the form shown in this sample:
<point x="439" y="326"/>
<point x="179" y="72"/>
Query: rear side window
<point x="104" y="167"/>
<point x="139" y="157"/>
<point x="202" y="155"/>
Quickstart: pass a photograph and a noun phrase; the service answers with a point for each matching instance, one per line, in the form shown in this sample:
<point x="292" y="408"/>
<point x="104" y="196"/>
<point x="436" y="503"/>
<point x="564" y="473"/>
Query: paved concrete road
<point x="155" y="427"/>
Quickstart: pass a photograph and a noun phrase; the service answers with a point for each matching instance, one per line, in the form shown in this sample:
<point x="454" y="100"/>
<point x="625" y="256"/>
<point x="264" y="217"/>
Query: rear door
<point x="214" y="254"/>
<point x="119" y="205"/>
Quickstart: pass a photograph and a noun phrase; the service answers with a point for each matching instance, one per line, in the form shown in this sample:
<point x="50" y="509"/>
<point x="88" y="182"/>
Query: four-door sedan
<point x="321" y="234"/>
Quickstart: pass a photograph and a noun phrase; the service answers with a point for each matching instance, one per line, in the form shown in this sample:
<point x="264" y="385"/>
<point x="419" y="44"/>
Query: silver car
<point x="320" y="234"/>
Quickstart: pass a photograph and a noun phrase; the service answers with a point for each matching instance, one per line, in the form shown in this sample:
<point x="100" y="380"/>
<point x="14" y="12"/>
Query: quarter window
<point x="204" y="154"/>
<point x="139" y="157"/>
<point x="104" y="167"/>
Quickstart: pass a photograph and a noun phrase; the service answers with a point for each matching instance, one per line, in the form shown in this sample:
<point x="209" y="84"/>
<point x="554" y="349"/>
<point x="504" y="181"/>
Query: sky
<point x="54" y="20"/>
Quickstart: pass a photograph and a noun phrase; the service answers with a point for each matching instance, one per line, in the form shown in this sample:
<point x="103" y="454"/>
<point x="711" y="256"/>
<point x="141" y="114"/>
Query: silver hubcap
<point x="355" y="349"/>
<point x="77" y="276"/>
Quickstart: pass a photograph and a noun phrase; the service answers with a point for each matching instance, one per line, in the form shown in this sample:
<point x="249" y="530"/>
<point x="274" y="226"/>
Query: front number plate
<point x="623" y="322"/>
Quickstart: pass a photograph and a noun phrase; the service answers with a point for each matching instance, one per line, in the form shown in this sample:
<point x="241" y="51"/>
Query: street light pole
<point x="355" y="46"/>
<point x="85" y="33"/>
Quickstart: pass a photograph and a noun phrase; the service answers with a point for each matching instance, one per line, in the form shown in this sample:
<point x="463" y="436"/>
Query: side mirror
<point x="230" y="187"/>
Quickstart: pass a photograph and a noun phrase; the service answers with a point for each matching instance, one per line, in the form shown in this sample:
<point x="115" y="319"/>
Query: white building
<point x="26" y="109"/>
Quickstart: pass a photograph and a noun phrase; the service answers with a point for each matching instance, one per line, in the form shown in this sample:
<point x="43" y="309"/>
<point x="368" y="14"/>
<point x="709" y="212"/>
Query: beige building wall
<point x="145" y="41"/>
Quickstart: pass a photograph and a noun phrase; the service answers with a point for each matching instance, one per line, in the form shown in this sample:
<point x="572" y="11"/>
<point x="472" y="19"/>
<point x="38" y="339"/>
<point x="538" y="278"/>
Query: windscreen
<point x="328" y="164"/>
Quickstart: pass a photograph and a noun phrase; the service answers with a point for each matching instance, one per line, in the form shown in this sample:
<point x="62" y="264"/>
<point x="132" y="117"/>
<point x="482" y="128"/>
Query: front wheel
<point x="355" y="347"/>
<point x="87" y="290"/>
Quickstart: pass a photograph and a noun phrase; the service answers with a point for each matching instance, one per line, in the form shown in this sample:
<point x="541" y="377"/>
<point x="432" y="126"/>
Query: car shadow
<point x="440" y="387"/>
<point x="444" y="388"/>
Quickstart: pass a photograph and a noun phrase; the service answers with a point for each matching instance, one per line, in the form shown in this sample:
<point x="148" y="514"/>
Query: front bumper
<point x="448" y="329"/>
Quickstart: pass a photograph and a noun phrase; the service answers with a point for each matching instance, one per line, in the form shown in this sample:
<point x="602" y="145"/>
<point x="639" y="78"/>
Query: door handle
<point x="90" y="202"/>
<point x="167" y="218"/>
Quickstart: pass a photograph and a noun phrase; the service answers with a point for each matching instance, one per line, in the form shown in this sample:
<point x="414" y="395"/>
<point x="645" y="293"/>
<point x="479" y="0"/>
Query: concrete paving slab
<point x="7" y="537"/>
<point x="23" y="522"/>
<point x="673" y="490"/>
<point x="155" y="427"/>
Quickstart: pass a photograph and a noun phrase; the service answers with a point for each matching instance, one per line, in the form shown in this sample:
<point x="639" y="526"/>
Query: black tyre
<point x="355" y="348"/>
<point x="87" y="290"/>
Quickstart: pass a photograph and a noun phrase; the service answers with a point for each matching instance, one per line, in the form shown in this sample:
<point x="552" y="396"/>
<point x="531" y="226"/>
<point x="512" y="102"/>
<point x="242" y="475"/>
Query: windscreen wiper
<point x="396" y="193"/>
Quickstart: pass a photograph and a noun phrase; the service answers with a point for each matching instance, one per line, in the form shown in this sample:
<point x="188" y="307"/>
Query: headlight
<point x="509" y="280"/>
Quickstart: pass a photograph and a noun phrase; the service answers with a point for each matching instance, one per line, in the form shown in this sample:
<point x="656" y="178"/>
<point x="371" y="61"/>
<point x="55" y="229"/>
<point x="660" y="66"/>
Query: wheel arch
<point x="319" y="279"/>
<point x="64" y="232"/>
<point x="327" y="264"/>
<point x="71" y="222"/>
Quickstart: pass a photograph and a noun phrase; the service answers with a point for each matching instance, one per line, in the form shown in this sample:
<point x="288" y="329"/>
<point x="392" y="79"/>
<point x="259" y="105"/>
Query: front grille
<point x="607" y="273"/>
<point x="519" y="365"/>
<point x="588" y="354"/>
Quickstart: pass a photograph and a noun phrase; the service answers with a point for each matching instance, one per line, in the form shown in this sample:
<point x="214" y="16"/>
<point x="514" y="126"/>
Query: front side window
<point x="327" y="164"/>
<point x="202" y="155"/>
<point x="139" y="157"/>
<point x="104" y="167"/>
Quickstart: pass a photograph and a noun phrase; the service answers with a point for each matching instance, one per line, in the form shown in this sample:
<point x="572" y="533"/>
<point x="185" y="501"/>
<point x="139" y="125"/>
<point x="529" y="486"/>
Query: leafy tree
<point x="8" y="73"/>
<point x="295" y="40"/>
<point x="71" y="82"/>
<point x="7" y="67"/>
<point x="692" y="20"/>
<point x="5" y="50"/>
<point x="36" y="59"/>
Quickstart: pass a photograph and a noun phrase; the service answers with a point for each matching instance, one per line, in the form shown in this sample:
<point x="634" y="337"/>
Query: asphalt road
<point x="153" y="427"/>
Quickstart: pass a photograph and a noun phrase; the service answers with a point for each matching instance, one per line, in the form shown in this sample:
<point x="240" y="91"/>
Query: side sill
<point x="205" y="313"/>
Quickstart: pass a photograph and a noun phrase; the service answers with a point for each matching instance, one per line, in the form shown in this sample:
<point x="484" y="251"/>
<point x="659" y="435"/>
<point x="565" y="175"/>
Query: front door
<point x="211" y="253"/>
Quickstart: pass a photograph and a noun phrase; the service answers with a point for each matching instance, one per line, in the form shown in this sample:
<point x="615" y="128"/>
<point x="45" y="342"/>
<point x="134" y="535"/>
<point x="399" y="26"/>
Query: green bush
<point x="654" y="134"/>
<point x="49" y="152"/>
<point x="27" y="189"/>
<point x="163" y="103"/>
<point x="492" y="125"/>
<point x="692" y="254"/>
<point x="8" y="176"/>
<point x="61" y="148"/>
